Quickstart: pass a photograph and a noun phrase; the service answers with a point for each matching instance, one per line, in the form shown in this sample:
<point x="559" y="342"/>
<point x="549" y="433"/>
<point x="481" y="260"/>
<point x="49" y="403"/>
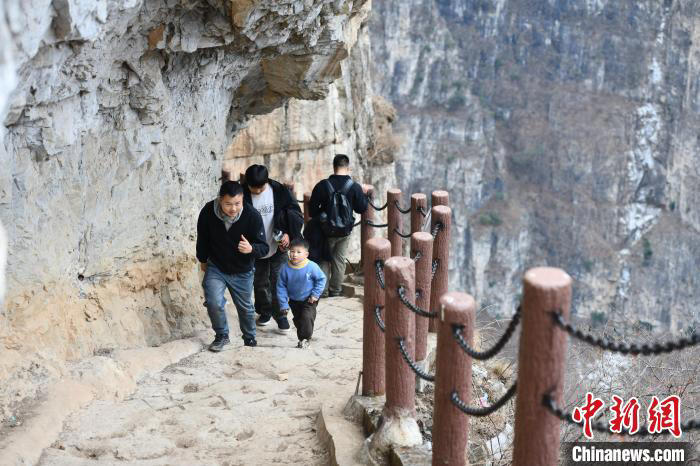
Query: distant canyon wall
<point x="566" y="133"/>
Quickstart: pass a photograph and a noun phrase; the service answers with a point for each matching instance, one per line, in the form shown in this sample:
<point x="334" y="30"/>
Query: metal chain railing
<point x="551" y="405"/>
<point x="421" y="312"/>
<point x="417" y="256"/>
<point x="379" y="271"/>
<point x="376" y="225"/>
<point x="403" y="235"/>
<point x="436" y="262"/>
<point x="412" y="364"/>
<point x="403" y="211"/>
<point x="378" y="318"/>
<point x="624" y="348"/>
<point x="422" y="211"/>
<point x="485" y="410"/>
<point x="358" y="223"/>
<point x="495" y="349"/>
<point x="436" y="229"/>
<point x="369" y="200"/>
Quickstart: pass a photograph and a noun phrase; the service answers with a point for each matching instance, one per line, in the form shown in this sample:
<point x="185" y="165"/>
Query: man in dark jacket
<point x="230" y="237"/>
<point x="336" y="247"/>
<point x="282" y="220"/>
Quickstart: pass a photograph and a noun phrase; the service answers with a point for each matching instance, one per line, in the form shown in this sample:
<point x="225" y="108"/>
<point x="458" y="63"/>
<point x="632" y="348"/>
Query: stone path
<point x="244" y="406"/>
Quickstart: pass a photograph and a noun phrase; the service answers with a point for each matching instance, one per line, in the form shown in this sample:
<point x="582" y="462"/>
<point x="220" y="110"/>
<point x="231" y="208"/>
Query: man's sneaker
<point x="334" y="295"/>
<point x="219" y="342"/>
<point x="304" y="344"/>
<point x="250" y="342"/>
<point x="300" y="344"/>
<point x="263" y="320"/>
<point x="283" y="325"/>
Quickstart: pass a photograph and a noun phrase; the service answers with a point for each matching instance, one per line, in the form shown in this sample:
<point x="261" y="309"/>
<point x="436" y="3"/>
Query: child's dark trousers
<point x="304" y="316"/>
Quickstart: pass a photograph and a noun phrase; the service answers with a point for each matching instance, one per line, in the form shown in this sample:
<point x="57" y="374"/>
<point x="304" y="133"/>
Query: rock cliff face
<point x="116" y="118"/>
<point x="566" y="133"/>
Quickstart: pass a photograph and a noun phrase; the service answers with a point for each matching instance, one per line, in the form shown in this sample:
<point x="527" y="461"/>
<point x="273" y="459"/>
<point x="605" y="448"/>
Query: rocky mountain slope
<point x="566" y="133"/>
<point x="116" y="118"/>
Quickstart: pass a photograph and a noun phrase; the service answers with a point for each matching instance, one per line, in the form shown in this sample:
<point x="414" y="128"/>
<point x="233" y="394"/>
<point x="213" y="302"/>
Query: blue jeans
<point x="240" y="286"/>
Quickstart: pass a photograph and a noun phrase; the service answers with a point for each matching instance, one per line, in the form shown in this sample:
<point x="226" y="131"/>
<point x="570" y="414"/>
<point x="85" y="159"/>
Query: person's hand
<point x="244" y="246"/>
<point x="312" y="299"/>
<point x="284" y="242"/>
<point x="203" y="266"/>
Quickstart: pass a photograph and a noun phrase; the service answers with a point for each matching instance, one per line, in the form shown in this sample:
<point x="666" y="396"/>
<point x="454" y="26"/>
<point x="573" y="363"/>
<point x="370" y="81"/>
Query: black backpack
<point x="338" y="219"/>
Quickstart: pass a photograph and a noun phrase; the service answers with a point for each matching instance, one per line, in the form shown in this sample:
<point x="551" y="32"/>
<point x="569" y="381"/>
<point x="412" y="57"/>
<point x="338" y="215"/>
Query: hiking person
<point x="299" y="288"/>
<point x="230" y="236"/>
<point x="331" y="207"/>
<point x="283" y="221"/>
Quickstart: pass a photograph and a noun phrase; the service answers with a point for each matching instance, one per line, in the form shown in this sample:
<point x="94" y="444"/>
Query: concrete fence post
<point x="418" y="201"/>
<point x="440" y="215"/>
<point x="439" y="198"/>
<point x="422" y="244"/>
<point x="453" y="372"/>
<point x="290" y="187"/>
<point x="307" y="212"/>
<point x="541" y="363"/>
<point x="373" y="362"/>
<point x="394" y="221"/>
<point x="366" y="231"/>
<point x="399" y="426"/>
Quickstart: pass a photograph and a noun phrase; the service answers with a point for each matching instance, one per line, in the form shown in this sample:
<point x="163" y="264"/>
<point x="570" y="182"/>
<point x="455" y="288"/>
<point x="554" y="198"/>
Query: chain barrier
<point x="421" y="312"/>
<point x="485" y="410"/>
<point x="436" y="262"/>
<point x="488" y="354"/>
<point x="369" y="200"/>
<point x="358" y="223"/>
<point x="633" y="349"/>
<point x="378" y="318"/>
<point x="403" y="211"/>
<point x="551" y="405"/>
<point x="376" y="225"/>
<point x="396" y="230"/>
<point x="379" y="271"/>
<point x="417" y="256"/>
<point x="436" y="229"/>
<point x="412" y="364"/>
<point x="422" y="211"/>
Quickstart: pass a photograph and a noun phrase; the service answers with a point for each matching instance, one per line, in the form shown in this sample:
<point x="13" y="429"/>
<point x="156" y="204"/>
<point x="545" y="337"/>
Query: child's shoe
<point x="303" y="344"/>
<point x="283" y="326"/>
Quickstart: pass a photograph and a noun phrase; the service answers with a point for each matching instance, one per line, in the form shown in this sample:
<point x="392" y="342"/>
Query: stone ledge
<point x="112" y="377"/>
<point x="342" y="437"/>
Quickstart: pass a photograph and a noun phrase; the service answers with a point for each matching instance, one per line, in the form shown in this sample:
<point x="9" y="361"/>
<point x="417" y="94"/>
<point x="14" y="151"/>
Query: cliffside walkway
<point x="243" y="406"/>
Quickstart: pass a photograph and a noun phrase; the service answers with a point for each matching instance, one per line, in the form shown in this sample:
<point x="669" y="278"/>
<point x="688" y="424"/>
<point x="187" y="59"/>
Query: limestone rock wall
<point x="566" y="133"/>
<point x="113" y="137"/>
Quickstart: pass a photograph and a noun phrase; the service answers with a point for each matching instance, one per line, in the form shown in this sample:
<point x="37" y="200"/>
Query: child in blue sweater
<point x="299" y="287"/>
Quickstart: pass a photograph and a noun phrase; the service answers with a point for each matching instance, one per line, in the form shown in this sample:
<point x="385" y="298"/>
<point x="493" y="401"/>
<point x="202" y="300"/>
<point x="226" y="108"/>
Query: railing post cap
<point x="393" y="191"/>
<point x="440" y="192"/>
<point x="378" y="243"/>
<point x="454" y="303"/>
<point x="441" y="209"/>
<point x="368" y="187"/>
<point x="307" y="194"/>
<point x="547" y="278"/>
<point x="398" y="262"/>
<point x="421" y="237"/>
<point x="418" y="196"/>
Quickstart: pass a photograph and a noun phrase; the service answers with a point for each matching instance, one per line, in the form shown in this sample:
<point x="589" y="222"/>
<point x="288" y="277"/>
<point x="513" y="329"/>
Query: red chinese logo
<point x="624" y="416"/>
<point x="665" y="415"/>
<point x="587" y="412"/>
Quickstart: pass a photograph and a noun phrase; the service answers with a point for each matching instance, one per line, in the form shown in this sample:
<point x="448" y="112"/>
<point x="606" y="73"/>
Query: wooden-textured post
<point x="422" y="243"/>
<point x="241" y="177"/>
<point x="393" y="217"/>
<point x="366" y="231"/>
<point x="541" y="362"/>
<point x="419" y="203"/>
<point x="399" y="426"/>
<point x="453" y="371"/>
<point x="372" y="336"/>
<point x="307" y="214"/>
<point x="440" y="198"/>
<point x="441" y="215"/>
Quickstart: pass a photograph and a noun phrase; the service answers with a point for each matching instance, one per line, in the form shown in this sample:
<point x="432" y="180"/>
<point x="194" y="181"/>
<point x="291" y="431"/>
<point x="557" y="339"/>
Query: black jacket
<point x="219" y="246"/>
<point x="288" y="217"/>
<point x="320" y="197"/>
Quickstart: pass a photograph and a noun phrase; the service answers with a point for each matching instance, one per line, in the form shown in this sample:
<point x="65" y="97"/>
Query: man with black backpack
<point x="332" y="204"/>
